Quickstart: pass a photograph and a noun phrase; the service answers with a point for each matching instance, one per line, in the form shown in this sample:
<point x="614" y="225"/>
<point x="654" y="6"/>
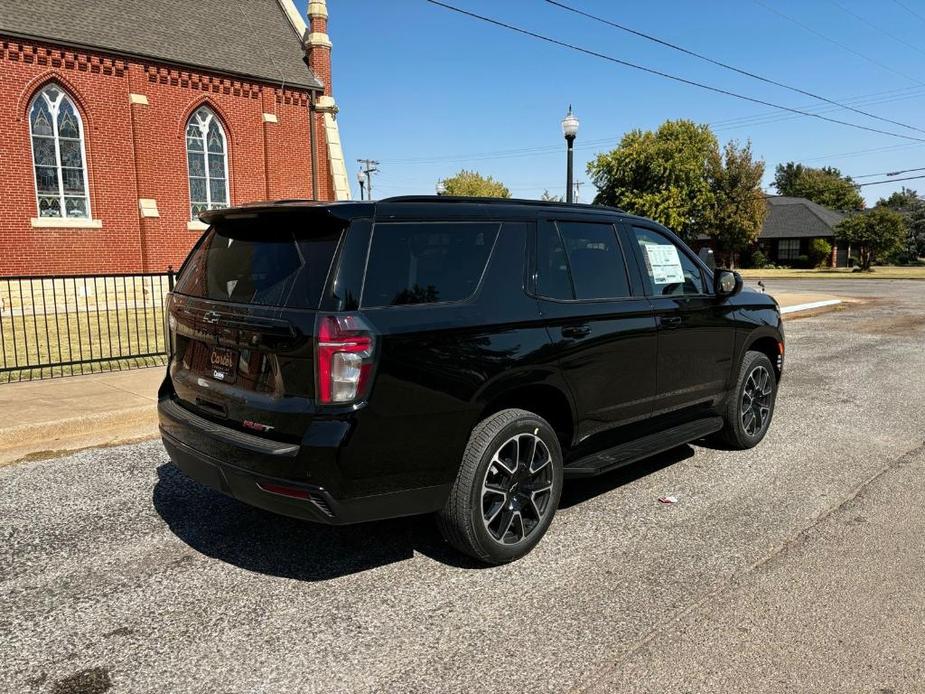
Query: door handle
<point x="670" y="321"/>
<point x="576" y="331"/>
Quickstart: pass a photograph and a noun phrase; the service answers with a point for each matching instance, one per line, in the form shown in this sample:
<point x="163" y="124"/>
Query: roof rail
<point x="448" y="199"/>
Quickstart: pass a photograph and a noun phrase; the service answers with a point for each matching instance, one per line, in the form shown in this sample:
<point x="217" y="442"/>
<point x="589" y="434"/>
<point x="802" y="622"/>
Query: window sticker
<point x="664" y="263"/>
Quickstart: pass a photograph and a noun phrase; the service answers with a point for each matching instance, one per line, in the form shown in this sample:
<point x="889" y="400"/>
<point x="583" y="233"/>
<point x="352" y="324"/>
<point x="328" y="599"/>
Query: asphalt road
<point x="797" y="566"/>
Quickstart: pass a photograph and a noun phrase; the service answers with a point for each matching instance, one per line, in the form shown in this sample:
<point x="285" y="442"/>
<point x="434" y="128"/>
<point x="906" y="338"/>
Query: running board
<point x="637" y="449"/>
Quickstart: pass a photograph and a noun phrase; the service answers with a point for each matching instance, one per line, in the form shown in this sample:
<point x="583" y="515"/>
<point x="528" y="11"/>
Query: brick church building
<point x="122" y="120"/>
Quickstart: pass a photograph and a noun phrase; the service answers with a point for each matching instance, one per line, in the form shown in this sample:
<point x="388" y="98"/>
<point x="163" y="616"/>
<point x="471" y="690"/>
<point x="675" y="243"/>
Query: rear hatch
<point x="242" y="319"/>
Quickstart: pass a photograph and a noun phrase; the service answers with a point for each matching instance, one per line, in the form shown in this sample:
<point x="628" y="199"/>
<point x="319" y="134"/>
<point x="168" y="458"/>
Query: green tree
<point x="549" y="197"/>
<point x="662" y="175"/>
<point x="820" y="253"/>
<point x="908" y="203"/>
<point x="825" y="186"/>
<point x="739" y="208"/>
<point x="471" y="183"/>
<point x="877" y="232"/>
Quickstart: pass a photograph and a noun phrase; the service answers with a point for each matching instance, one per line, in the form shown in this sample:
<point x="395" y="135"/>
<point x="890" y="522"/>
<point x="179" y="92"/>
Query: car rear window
<point x="426" y="262"/>
<point x="277" y="260"/>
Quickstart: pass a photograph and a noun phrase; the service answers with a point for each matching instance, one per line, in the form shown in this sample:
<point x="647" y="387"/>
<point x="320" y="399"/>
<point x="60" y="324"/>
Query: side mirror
<point x="727" y="283"/>
<point x="706" y="255"/>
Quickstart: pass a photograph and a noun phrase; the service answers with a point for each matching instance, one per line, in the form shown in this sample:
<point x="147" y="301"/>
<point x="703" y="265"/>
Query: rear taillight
<point x="344" y="361"/>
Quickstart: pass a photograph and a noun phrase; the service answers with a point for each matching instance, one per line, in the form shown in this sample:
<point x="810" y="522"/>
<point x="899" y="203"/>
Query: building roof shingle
<point x="790" y="218"/>
<point x="249" y="38"/>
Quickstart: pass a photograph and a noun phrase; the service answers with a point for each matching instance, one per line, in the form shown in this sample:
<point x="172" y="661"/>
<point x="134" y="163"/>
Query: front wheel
<point x="751" y="405"/>
<point x="507" y="490"/>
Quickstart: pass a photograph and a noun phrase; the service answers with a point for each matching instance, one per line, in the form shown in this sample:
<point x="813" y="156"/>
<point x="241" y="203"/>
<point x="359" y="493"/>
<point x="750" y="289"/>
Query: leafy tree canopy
<point x="677" y="175"/>
<point x="878" y="232"/>
<point x="826" y="186"/>
<point x="739" y="207"/>
<point x="912" y="207"/>
<point x="549" y="197"/>
<point x="661" y="175"/>
<point x="474" y="184"/>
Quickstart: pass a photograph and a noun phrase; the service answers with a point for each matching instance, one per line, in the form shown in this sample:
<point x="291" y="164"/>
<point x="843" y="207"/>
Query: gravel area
<point x="795" y="566"/>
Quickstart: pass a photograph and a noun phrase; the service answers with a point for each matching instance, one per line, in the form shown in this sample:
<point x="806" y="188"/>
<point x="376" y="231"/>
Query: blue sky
<point x="428" y="92"/>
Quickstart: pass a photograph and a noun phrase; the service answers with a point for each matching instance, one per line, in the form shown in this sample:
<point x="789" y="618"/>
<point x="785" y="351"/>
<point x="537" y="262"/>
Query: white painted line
<point x="810" y="305"/>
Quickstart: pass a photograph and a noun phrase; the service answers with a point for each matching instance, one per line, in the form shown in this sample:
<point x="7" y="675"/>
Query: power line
<point x="910" y="11"/>
<point x="727" y="66"/>
<point x="862" y="152"/>
<point x="890" y="173"/>
<point x="666" y="75"/>
<point x="876" y="28"/>
<point x="890" y="180"/>
<point x="836" y="43"/>
<point x="766" y="118"/>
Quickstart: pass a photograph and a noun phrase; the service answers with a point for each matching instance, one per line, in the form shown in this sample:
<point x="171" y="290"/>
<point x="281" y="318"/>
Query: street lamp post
<point x="441" y="187"/>
<point x="570" y="130"/>
<point x="361" y="179"/>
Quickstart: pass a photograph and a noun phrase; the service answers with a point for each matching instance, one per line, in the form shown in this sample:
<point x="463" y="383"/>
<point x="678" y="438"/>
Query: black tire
<point x="753" y="397"/>
<point x="473" y="497"/>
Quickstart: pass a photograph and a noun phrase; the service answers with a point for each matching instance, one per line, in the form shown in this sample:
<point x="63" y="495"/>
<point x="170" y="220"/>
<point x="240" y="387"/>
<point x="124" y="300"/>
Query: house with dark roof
<point x="121" y="121"/>
<point x="792" y="223"/>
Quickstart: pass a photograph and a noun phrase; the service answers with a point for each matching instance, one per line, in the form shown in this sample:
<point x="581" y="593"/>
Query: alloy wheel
<point x="517" y="489"/>
<point x="756" y="400"/>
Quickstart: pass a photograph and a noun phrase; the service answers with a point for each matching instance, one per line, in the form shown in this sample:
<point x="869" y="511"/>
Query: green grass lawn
<point x="27" y="340"/>
<point x="880" y="272"/>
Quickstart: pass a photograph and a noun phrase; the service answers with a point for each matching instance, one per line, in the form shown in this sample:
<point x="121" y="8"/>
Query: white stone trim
<point x="318" y="8"/>
<point x="270" y="118"/>
<point x="318" y="39"/>
<point x="65" y="223"/>
<point x="196" y="225"/>
<point x="295" y="19"/>
<point x="148" y="207"/>
<point x="336" y="158"/>
<point x="139" y="99"/>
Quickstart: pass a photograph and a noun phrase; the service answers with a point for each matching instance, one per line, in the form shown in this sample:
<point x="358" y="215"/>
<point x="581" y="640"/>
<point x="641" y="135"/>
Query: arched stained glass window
<point x="207" y="162"/>
<point x="58" y="155"/>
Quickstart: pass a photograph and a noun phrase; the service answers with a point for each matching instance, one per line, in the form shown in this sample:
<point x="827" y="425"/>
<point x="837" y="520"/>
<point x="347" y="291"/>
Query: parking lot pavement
<point x="794" y="566"/>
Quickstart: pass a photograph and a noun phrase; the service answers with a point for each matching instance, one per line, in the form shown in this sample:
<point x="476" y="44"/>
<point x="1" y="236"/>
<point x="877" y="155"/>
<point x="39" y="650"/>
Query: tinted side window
<point x="669" y="270"/>
<point x="595" y="260"/>
<point x="426" y="262"/>
<point x="552" y="272"/>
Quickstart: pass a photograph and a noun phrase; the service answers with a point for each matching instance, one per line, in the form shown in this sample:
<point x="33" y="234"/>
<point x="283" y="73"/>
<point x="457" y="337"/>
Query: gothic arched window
<point x="207" y="162"/>
<point x="59" y="155"/>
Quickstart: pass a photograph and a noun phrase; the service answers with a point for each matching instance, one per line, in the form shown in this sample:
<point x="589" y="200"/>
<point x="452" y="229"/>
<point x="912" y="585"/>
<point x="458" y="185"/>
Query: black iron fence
<point x="60" y="326"/>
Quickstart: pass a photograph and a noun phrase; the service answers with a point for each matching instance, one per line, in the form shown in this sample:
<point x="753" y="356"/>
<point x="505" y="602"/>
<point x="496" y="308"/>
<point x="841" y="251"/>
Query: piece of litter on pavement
<point x="667" y="499"/>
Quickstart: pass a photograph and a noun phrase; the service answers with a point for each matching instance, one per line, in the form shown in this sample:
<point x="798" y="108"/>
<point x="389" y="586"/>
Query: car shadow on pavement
<point x="250" y="538"/>
<point x="580" y="490"/>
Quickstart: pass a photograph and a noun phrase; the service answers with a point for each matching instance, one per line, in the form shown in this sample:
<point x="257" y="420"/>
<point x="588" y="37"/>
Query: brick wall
<point x="138" y="151"/>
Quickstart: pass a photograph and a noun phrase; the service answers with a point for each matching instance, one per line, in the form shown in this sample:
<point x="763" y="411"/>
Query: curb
<point x="810" y="306"/>
<point x="48" y="439"/>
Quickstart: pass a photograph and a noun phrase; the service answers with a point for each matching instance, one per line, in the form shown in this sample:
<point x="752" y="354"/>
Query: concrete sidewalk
<point x="45" y="418"/>
<point x="42" y="418"/>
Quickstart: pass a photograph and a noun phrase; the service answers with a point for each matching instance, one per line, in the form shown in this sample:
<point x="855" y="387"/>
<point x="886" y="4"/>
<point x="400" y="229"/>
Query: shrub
<point x="820" y="252"/>
<point x="758" y="260"/>
<point x="801" y="261"/>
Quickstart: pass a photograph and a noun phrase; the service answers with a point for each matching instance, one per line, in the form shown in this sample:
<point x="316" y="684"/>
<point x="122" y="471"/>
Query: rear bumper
<point x="244" y="466"/>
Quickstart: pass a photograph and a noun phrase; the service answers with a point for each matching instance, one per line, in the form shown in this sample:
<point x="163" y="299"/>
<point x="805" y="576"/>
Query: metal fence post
<point x="170" y="277"/>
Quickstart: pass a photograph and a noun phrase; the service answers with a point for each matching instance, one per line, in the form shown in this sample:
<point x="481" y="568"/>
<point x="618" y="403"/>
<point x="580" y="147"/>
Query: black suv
<point x="346" y="362"/>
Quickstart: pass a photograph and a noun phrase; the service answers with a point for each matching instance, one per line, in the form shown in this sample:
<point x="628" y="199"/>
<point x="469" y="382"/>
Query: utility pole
<point x="578" y="185"/>
<point x="369" y="169"/>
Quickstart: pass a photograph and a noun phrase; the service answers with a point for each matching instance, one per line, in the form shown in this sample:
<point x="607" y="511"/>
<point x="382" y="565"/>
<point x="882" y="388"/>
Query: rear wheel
<point x="507" y="490"/>
<point x="751" y="405"/>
